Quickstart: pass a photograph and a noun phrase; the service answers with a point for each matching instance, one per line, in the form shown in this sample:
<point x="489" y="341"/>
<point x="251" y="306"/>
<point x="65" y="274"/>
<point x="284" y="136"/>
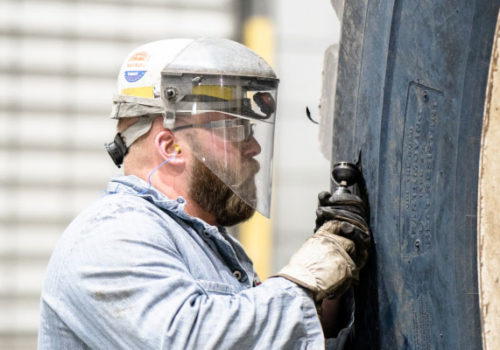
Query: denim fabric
<point x="134" y="271"/>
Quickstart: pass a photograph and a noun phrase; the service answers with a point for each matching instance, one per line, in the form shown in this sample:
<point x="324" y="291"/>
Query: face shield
<point x="230" y="121"/>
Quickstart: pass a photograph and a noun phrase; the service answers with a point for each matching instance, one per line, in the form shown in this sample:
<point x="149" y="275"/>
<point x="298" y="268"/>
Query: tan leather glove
<point x="324" y="264"/>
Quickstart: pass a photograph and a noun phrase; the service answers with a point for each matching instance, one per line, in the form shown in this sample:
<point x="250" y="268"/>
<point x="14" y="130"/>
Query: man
<point x="150" y="265"/>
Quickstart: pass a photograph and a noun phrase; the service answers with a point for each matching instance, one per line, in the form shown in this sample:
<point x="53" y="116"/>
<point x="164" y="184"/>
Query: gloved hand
<point x="352" y="210"/>
<point x="323" y="264"/>
<point x="330" y="260"/>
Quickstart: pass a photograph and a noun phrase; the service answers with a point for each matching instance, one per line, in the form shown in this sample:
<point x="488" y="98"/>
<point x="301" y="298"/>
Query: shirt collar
<point x="135" y="186"/>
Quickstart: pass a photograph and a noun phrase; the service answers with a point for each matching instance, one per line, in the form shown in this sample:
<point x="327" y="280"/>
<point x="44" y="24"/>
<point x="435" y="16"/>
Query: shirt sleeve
<point x="119" y="291"/>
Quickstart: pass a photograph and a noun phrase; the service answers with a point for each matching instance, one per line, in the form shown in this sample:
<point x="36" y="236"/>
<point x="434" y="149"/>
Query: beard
<point x="218" y="199"/>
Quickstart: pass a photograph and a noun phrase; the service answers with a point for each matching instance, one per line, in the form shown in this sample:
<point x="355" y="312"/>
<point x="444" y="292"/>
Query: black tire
<point x="409" y="106"/>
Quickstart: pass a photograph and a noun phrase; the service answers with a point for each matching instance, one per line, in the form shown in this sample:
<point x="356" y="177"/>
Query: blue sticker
<point x="133" y="75"/>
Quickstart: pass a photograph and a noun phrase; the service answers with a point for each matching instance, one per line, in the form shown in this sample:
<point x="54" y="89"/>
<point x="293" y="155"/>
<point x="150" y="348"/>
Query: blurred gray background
<point x="58" y="65"/>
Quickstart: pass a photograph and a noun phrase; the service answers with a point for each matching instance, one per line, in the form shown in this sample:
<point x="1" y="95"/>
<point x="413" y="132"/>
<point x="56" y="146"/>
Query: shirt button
<point x="180" y="200"/>
<point x="237" y="274"/>
<point x="207" y="234"/>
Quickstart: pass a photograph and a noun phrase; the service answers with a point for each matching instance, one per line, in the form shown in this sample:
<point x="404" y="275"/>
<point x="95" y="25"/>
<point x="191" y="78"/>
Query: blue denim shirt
<point x="135" y="271"/>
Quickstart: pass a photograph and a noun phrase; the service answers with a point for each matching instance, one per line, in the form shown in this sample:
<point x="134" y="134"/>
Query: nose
<point x="251" y="148"/>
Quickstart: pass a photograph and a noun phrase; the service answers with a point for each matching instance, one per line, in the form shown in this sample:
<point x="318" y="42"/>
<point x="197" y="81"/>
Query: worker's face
<point x="223" y="172"/>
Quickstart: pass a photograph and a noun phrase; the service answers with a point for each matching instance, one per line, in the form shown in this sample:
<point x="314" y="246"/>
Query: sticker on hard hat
<point x="134" y="75"/>
<point x="139" y="56"/>
<point x="138" y="60"/>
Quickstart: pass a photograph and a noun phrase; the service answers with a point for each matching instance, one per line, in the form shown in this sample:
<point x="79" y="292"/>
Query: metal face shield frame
<point x="244" y="97"/>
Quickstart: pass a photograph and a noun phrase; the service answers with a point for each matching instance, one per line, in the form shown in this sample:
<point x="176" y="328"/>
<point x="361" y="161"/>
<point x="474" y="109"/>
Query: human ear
<point x="166" y="145"/>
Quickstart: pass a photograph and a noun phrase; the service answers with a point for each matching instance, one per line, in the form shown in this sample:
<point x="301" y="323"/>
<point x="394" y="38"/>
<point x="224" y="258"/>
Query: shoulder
<point x="121" y="214"/>
<point x="112" y="229"/>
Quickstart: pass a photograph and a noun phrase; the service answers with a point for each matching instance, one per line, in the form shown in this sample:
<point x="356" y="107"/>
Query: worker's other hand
<point x="324" y="263"/>
<point x="352" y="211"/>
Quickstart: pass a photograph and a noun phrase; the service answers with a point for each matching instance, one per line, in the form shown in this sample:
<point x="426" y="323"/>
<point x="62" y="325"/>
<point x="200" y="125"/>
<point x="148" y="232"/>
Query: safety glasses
<point x="234" y="130"/>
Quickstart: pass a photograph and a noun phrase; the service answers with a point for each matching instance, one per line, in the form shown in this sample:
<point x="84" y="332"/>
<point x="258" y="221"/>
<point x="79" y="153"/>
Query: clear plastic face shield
<point x="230" y="121"/>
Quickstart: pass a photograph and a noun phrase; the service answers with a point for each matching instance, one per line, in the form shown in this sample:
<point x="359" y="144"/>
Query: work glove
<point x="352" y="210"/>
<point x="323" y="264"/>
<point x="330" y="260"/>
